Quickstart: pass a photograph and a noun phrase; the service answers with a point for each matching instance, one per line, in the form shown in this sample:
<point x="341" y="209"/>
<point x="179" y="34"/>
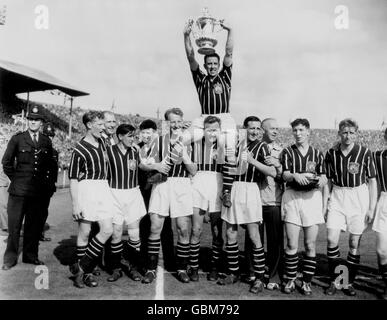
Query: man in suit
<point x="28" y="163"/>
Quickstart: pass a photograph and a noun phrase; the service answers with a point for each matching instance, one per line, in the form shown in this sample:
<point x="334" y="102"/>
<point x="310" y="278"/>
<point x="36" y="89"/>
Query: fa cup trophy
<point x="204" y="30"/>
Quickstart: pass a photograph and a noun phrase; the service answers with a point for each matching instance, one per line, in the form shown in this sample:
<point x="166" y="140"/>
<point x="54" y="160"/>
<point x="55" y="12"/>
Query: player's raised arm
<point x="229" y="44"/>
<point x="189" y="50"/>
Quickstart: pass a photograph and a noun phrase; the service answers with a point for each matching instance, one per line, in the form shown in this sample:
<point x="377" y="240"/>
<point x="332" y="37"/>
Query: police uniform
<point x="29" y="166"/>
<point x="49" y="130"/>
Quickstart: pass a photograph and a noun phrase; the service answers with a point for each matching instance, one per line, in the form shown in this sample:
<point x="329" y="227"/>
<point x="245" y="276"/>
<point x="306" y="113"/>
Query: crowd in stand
<point x="322" y="138"/>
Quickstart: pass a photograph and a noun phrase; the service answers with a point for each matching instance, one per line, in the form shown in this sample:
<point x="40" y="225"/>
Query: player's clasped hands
<point x="322" y="181"/>
<point x="302" y="178"/>
<point x="272" y="161"/>
<point x="162" y="167"/>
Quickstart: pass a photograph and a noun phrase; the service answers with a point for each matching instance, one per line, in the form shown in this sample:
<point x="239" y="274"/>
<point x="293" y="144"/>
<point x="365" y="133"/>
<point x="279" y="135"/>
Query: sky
<point x="291" y="59"/>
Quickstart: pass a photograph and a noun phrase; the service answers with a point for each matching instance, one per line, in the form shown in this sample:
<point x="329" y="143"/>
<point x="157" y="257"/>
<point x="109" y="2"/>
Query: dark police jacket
<point x="54" y="173"/>
<point x="31" y="170"/>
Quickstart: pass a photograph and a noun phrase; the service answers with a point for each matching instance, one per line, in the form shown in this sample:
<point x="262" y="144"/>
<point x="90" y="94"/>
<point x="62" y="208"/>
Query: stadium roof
<point x="16" y="78"/>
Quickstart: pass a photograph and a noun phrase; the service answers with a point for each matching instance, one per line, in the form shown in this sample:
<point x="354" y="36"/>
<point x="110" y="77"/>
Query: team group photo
<point x="196" y="150"/>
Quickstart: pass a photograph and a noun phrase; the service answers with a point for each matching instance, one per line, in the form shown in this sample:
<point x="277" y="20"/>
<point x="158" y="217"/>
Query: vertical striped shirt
<point x="259" y="151"/>
<point x="293" y="161"/>
<point x="206" y="156"/>
<point x="166" y="151"/>
<point x="351" y="170"/>
<point x="123" y="168"/>
<point x="214" y="92"/>
<point x="88" y="162"/>
<point x="380" y="158"/>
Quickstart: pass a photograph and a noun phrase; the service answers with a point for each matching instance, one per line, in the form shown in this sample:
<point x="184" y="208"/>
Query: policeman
<point x="49" y="131"/>
<point x="28" y="162"/>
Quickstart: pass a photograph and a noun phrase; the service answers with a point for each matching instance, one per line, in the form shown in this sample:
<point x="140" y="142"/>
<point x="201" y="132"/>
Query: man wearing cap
<point x="28" y="163"/>
<point x="49" y="131"/>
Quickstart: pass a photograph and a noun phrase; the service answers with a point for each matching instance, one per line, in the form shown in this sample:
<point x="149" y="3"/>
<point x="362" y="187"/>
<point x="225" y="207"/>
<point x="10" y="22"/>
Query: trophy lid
<point x="205" y="18"/>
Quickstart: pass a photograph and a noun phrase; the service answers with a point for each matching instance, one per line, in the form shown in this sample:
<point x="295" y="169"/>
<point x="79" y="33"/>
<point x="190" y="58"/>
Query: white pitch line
<point x="159" y="283"/>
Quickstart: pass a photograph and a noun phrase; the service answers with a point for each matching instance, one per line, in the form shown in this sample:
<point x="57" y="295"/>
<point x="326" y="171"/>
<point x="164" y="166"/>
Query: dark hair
<point x="250" y="118"/>
<point x="176" y="111"/>
<point x="348" y="123"/>
<point x="210" y="56"/>
<point x="148" y="124"/>
<point x="124" y="129"/>
<point x="300" y="121"/>
<point x="211" y="120"/>
<point x="385" y="133"/>
<point x="90" y="116"/>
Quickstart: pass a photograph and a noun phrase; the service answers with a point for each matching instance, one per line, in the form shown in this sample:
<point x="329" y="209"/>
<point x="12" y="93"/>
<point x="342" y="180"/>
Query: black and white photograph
<point x="205" y="152"/>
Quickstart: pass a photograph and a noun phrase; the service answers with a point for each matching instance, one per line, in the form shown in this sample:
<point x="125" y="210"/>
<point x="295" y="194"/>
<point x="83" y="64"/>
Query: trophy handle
<point x="194" y="31"/>
<point x="218" y="23"/>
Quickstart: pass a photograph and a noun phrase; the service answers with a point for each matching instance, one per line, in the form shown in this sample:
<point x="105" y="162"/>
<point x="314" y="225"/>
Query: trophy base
<point x="206" y="45"/>
<point x="206" y="51"/>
